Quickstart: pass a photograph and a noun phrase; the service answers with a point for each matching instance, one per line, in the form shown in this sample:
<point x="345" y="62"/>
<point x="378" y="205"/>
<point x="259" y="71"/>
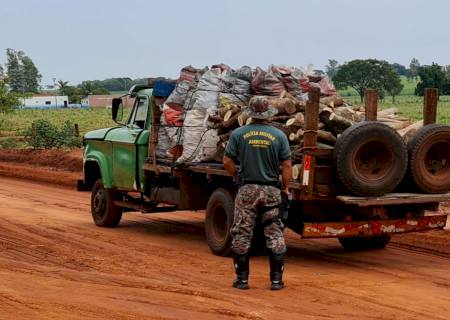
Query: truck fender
<point x="104" y="166"/>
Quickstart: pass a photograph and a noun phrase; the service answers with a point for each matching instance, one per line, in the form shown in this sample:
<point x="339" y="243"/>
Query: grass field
<point x="87" y="119"/>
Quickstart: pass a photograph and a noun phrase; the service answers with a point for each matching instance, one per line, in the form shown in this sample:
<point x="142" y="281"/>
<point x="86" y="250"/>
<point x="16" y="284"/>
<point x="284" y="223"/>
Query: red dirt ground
<point x="56" y="264"/>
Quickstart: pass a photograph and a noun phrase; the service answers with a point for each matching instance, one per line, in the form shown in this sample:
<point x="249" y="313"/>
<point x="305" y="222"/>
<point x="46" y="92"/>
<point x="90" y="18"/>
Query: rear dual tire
<point x="429" y="158"/>
<point x="365" y="243"/>
<point x="218" y="221"/>
<point x="371" y="158"/>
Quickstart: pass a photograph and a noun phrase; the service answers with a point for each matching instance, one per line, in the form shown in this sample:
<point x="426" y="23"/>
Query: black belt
<point x="263" y="183"/>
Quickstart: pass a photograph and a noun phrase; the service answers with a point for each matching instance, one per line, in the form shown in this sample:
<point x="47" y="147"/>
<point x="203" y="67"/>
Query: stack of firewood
<point x="335" y="115"/>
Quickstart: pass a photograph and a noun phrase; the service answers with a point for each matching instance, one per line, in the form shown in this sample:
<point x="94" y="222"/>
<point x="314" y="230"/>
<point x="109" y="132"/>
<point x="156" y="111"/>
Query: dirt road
<point x="55" y="264"/>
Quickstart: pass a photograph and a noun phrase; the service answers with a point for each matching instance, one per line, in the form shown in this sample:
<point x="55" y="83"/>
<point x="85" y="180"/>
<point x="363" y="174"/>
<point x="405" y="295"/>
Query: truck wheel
<point x="104" y="212"/>
<point x="365" y="243"/>
<point x="429" y="158"/>
<point x="218" y="221"/>
<point x="371" y="158"/>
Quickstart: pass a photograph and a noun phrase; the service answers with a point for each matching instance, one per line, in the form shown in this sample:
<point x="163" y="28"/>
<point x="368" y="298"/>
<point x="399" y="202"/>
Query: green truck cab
<point x="123" y="174"/>
<point x="116" y="155"/>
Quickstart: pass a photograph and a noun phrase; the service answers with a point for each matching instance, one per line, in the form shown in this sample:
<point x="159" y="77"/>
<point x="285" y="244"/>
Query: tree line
<point x="385" y="77"/>
<point x="85" y="88"/>
<point x="20" y="77"/>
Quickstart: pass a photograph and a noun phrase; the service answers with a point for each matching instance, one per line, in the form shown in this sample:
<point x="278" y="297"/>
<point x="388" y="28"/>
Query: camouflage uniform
<point x="251" y="201"/>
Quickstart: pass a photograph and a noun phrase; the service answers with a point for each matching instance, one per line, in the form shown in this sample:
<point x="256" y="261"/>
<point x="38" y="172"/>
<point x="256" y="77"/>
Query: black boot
<point x="276" y="270"/>
<point x="241" y="265"/>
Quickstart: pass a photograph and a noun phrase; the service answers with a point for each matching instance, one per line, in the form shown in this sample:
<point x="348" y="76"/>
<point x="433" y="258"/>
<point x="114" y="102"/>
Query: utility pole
<point x="54" y="88"/>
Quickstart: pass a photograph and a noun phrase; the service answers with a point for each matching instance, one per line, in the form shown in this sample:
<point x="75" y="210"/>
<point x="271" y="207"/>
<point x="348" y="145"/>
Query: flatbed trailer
<point x="320" y="209"/>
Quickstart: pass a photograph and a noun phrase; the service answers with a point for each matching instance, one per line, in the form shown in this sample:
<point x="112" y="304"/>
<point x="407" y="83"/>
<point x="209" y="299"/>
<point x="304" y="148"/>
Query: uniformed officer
<point x="259" y="149"/>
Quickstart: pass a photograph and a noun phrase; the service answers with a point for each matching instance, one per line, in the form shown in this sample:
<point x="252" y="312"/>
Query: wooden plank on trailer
<point x="372" y="227"/>
<point x="394" y="198"/>
<point x="208" y="170"/>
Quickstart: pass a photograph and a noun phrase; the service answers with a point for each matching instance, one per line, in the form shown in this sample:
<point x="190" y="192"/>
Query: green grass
<point x="410" y="106"/>
<point x="87" y="119"/>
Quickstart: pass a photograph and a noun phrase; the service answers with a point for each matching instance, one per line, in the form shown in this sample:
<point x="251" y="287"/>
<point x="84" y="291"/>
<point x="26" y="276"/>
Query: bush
<point x="9" y="143"/>
<point x="45" y="135"/>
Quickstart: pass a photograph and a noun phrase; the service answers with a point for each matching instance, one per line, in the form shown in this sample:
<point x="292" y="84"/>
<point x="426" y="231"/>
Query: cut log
<point x="332" y="101"/>
<point x="214" y="118"/>
<point x="336" y="124"/>
<point x="326" y="137"/>
<point x="408" y="132"/>
<point x="387" y="112"/>
<point x="242" y="119"/>
<point x="283" y="105"/>
<point x="298" y="120"/>
<point x="287" y="130"/>
<point x="296" y="171"/>
<point x="397" y="125"/>
<point x="283" y="118"/>
<point x="348" y="113"/>
<point x="228" y="111"/>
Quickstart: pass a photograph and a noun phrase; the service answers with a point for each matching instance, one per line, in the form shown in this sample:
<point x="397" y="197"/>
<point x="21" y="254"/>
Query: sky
<point x="96" y="39"/>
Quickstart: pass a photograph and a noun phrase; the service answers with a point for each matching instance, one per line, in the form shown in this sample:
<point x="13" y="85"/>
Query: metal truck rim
<point x="372" y="160"/>
<point x="99" y="202"/>
<point x="437" y="159"/>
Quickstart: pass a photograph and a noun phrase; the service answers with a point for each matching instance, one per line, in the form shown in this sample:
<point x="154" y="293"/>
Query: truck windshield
<point x="139" y="115"/>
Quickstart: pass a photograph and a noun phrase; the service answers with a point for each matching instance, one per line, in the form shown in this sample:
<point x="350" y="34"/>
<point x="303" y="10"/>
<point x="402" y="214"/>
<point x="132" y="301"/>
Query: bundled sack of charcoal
<point x="169" y="144"/>
<point x="220" y="86"/>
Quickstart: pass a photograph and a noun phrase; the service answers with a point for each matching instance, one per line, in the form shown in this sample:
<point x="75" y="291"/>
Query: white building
<point x="42" y="101"/>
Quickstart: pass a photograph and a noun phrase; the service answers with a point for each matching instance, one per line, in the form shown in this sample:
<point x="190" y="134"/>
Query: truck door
<point x="124" y="141"/>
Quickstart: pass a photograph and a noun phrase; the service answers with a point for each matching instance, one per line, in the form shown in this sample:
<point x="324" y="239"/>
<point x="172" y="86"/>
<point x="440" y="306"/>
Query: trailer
<point x="123" y="173"/>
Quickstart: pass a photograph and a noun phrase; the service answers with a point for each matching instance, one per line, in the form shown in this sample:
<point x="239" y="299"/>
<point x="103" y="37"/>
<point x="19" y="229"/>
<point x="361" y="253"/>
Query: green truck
<point x="123" y="174"/>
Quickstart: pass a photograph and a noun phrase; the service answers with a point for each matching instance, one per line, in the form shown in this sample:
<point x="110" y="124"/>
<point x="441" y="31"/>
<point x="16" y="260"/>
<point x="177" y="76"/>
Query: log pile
<point x="335" y="115"/>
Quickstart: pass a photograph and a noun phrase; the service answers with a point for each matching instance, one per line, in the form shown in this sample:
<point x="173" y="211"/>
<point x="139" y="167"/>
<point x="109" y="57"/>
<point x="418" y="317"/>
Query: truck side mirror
<point x="117" y="110"/>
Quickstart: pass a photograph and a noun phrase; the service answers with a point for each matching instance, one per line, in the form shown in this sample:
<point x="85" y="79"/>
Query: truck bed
<point x="210" y="168"/>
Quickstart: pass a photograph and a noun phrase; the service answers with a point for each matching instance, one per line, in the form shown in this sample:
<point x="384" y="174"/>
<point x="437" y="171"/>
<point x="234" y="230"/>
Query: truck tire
<point x="429" y="158"/>
<point x="371" y="158"/>
<point x="104" y="212"/>
<point x="218" y="221"/>
<point x="365" y="243"/>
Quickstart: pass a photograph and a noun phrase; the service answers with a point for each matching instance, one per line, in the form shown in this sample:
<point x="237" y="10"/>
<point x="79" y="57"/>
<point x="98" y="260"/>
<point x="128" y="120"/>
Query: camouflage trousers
<point x="250" y="202"/>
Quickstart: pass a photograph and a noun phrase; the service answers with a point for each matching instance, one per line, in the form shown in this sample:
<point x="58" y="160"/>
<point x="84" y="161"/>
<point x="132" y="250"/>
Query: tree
<point x="393" y="84"/>
<point x="401" y="69"/>
<point x="8" y="99"/>
<point x="414" y="66"/>
<point x="14" y="71"/>
<point x="331" y="68"/>
<point x="91" y="87"/>
<point x="22" y="73"/>
<point x="2" y="73"/>
<point x="431" y="77"/>
<point x="365" y="74"/>
<point x="30" y="74"/>
<point x="62" y="85"/>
